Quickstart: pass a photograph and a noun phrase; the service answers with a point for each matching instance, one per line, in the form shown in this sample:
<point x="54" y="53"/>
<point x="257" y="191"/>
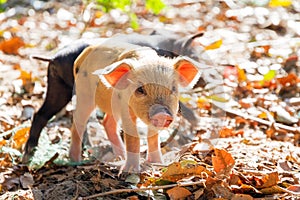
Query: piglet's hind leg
<point x="110" y="126"/>
<point x="84" y="106"/>
<point x="58" y="95"/>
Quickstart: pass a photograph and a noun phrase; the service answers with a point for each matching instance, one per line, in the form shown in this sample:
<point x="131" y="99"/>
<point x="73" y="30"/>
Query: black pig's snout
<point x="160" y="116"/>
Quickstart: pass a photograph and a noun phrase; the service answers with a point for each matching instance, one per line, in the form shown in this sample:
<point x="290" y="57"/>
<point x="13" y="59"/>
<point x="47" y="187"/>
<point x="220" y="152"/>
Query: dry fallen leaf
<point x="215" y="45"/>
<point x="279" y="3"/>
<point x="220" y="190"/>
<point x="241" y="74"/>
<point x="223" y="162"/>
<point x="26" y="180"/>
<point x="175" y="171"/>
<point x="268" y="180"/>
<point x="290" y="79"/>
<point x="178" y="193"/>
<point x="242" y="197"/>
<point x="20" y="137"/>
<point x="294" y="188"/>
<point x="272" y="190"/>
<point x="12" y="45"/>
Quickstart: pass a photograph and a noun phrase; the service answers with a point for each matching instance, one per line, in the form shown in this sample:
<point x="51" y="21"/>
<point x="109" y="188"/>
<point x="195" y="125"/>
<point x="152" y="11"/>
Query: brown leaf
<point x="223" y="161"/>
<point x="242" y="197"/>
<point x="220" y="190"/>
<point x="178" y="193"/>
<point x="175" y="171"/>
<point x="294" y="188"/>
<point x="272" y="190"/>
<point x="269" y="180"/>
<point x="12" y="45"/>
<point x="244" y="188"/>
<point x="26" y="180"/>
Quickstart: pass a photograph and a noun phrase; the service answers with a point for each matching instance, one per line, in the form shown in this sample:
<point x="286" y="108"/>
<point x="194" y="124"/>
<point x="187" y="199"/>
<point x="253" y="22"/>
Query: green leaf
<point x="134" y="21"/>
<point x="270" y="75"/>
<point x="113" y="4"/>
<point x="155" y="6"/>
<point x="217" y="98"/>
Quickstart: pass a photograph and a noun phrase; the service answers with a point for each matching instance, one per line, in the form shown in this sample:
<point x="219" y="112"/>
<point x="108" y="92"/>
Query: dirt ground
<point x="244" y="146"/>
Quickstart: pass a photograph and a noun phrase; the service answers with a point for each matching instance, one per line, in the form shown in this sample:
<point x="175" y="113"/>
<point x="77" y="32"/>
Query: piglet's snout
<point x="160" y="116"/>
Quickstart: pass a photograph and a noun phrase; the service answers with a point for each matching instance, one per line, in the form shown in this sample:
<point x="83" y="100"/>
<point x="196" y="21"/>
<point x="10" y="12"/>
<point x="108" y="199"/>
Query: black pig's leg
<point x="58" y="95"/>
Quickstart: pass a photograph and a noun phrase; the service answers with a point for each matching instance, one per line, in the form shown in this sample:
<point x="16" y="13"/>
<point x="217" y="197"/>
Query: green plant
<point x="154" y="6"/>
<point x="2" y="2"/>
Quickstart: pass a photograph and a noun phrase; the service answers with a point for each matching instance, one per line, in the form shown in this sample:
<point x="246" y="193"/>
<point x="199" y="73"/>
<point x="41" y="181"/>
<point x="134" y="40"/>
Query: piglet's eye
<point x="140" y="91"/>
<point x="174" y="88"/>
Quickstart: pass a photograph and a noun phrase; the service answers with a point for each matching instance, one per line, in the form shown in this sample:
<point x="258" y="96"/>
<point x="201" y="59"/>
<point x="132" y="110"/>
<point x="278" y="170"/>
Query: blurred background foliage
<point x="126" y="6"/>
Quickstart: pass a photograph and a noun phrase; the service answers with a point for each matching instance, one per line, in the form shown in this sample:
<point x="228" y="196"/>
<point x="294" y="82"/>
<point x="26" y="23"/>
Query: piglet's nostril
<point x="160" y="116"/>
<point x="161" y="120"/>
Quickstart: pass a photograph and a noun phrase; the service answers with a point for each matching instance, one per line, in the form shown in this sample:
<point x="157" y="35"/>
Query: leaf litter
<point x="245" y="145"/>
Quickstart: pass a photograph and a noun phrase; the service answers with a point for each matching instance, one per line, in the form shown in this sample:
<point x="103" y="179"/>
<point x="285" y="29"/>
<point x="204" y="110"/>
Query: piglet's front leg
<point x="132" y="142"/>
<point x="154" y="151"/>
<point x="132" y="153"/>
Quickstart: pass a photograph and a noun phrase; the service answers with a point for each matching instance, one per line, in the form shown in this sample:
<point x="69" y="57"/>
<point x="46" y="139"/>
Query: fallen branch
<point x="236" y="112"/>
<point x="141" y="189"/>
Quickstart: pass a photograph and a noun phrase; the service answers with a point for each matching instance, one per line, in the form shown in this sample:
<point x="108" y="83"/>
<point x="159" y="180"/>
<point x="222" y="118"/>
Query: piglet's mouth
<point x="160" y="116"/>
<point x="162" y="123"/>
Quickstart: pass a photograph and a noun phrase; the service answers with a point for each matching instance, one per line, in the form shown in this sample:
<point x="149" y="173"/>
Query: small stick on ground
<point x="141" y="189"/>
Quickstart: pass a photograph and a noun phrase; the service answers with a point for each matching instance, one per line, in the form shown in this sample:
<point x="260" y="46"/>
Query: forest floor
<point x="244" y="146"/>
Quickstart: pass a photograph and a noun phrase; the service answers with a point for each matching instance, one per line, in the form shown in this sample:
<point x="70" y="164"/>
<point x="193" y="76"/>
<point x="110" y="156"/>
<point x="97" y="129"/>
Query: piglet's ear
<point x="187" y="70"/>
<point x="115" y="75"/>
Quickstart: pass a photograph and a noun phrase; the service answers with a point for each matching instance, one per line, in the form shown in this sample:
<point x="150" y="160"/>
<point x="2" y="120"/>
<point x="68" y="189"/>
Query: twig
<point x="235" y="112"/>
<point x="141" y="189"/>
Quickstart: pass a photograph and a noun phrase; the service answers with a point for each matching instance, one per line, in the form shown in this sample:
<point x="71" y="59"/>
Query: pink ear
<point x="115" y="75"/>
<point x="187" y="71"/>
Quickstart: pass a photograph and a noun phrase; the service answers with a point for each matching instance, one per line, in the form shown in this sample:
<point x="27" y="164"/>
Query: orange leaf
<point x="263" y="115"/>
<point x="222" y="162"/>
<point x="2" y="143"/>
<point x="225" y="132"/>
<point x="229" y="132"/>
<point x="20" y="137"/>
<point x="269" y="180"/>
<point x="241" y="74"/>
<point x="12" y="45"/>
<point x="214" y="45"/>
<point x="294" y="188"/>
<point x="270" y="132"/>
<point x="25" y="76"/>
<point x="244" y="103"/>
<point x="203" y="103"/>
<point x="175" y="171"/>
<point x="289" y="80"/>
<point x="178" y="193"/>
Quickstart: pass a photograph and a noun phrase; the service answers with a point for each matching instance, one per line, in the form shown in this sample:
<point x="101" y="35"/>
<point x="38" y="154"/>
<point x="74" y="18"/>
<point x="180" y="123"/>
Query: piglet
<point x="135" y="82"/>
<point x="60" y="87"/>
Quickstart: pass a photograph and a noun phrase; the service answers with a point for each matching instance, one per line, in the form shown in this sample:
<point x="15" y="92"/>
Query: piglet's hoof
<point x="29" y="152"/>
<point x="26" y="158"/>
<point x="129" y="177"/>
<point x="127" y="170"/>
